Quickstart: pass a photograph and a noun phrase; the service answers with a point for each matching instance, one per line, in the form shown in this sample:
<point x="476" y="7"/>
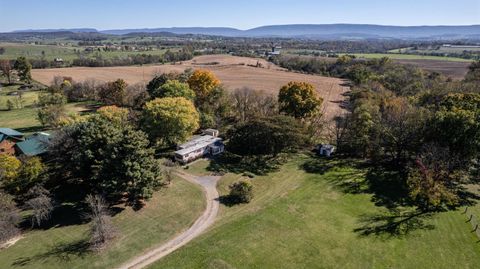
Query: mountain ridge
<point x="304" y="30"/>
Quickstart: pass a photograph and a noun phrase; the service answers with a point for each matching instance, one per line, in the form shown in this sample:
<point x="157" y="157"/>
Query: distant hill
<point x="312" y="31"/>
<point x="368" y="30"/>
<point x="74" y="30"/>
<point x="214" y="31"/>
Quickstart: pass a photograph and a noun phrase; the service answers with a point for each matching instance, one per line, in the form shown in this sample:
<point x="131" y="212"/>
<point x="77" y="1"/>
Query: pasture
<point x="66" y="52"/>
<point x="329" y="217"/>
<point x="234" y="72"/>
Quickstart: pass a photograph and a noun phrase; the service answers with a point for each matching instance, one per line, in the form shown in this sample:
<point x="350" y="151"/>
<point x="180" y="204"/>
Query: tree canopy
<point x="175" y="88"/>
<point x="108" y="157"/>
<point x="266" y="136"/>
<point x="170" y="120"/>
<point x="299" y="100"/>
<point x="203" y="82"/>
<point x="23" y="67"/>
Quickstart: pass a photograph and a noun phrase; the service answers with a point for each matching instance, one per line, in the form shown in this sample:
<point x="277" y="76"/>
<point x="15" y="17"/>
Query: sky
<point x="244" y="14"/>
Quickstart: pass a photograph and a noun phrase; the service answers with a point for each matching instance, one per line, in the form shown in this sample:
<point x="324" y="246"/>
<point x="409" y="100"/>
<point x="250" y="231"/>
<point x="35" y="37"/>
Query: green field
<point x="25" y="119"/>
<point x="170" y="211"/>
<point x="67" y="52"/>
<point x="326" y="219"/>
<point x="407" y="57"/>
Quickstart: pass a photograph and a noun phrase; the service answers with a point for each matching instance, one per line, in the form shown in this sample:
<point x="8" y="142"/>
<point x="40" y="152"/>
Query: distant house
<point x="8" y="139"/>
<point x="33" y="145"/>
<point x="199" y="146"/>
<point x="326" y="150"/>
<point x="274" y="51"/>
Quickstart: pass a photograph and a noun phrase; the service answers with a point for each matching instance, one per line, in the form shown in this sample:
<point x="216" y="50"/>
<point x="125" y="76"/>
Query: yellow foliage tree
<point x="170" y="120"/>
<point x="9" y="168"/>
<point x="299" y="100"/>
<point x="114" y="113"/>
<point x="203" y="82"/>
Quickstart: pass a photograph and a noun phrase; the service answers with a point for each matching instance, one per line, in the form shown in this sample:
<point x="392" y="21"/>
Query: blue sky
<point x="118" y="14"/>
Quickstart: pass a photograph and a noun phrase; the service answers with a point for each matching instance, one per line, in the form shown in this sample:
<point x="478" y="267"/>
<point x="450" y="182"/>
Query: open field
<point x="234" y="72"/>
<point x="67" y="53"/>
<point x="455" y="70"/>
<point x="169" y="212"/>
<point x="325" y="219"/>
<point x="409" y="57"/>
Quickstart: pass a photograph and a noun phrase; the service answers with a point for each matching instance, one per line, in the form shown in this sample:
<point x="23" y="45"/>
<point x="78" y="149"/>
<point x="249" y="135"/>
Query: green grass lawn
<point x="171" y="211"/>
<point x="198" y="168"/>
<point x="408" y="57"/>
<point x="325" y="220"/>
<point x="25" y="119"/>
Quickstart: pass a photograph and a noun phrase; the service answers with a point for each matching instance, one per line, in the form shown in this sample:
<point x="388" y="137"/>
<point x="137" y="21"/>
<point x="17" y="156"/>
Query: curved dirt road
<point x="208" y="184"/>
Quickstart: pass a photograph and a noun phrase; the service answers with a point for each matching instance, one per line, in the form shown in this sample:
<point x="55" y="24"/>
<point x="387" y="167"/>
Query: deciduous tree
<point x="6" y="69"/>
<point x="113" y="93"/>
<point x="102" y="230"/>
<point x="299" y="100"/>
<point x="170" y="120"/>
<point x="203" y="82"/>
<point x="23" y="67"/>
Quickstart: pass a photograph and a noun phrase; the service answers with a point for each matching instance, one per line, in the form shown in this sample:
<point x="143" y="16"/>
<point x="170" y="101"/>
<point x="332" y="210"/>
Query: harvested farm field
<point x="234" y="72"/>
<point x="455" y="70"/>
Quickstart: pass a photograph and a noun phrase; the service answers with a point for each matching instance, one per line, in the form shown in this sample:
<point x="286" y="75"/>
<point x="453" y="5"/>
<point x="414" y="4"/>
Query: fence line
<point x="474" y="221"/>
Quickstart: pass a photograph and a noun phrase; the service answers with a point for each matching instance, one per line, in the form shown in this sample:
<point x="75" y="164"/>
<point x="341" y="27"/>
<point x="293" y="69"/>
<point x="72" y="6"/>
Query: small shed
<point x="326" y="150"/>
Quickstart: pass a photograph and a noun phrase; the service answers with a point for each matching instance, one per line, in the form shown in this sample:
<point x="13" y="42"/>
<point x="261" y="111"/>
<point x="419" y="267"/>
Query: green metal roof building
<point x="34" y="145"/>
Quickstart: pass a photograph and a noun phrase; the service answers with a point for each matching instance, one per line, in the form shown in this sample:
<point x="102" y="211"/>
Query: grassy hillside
<point x="63" y="244"/>
<point x="329" y="218"/>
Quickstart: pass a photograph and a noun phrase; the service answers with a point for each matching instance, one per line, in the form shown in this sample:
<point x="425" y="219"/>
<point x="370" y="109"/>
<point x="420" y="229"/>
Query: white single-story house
<point x="199" y="146"/>
<point x="326" y="150"/>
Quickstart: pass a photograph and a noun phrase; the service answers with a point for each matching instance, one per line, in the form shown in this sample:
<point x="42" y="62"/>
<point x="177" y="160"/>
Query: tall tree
<point x="175" y="88"/>
<point x="299" y="100"/>
<point x="40" y="203"/>
<point x="23" y="67"/>
<point x="6" y="69"/>
<point x="9" y="217"/>
<point x="102" y="230"/>
<point x="170" y="120"/>
<point x="113" y="93"/>
<point x="203" y="82"/>
<point x="108" y="157"/>
<point x="267" y="136"/>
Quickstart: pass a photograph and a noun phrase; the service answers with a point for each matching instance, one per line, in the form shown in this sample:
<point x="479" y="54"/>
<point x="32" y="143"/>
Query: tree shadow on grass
<point x="227" y="200"/>
<point x="258" y="165"/>
<point x="394" y="223"/>
<point x="387" y="188"/>
<point x="62" y="252"/>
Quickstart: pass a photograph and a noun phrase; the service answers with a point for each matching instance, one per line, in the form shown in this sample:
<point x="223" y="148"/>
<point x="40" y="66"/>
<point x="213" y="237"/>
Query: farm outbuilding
<point x="326" y="150"/>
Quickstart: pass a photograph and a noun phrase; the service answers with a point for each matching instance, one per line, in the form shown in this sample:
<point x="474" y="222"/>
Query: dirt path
<point x="208" y="183"/>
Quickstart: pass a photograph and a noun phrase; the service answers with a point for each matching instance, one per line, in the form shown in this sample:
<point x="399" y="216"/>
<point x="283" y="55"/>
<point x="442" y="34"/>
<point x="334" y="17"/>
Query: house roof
<point x="7" y="132"/>
<point x="34" y="145"/>
<point x="198" y="144"/>
<point x="10" y="132"/>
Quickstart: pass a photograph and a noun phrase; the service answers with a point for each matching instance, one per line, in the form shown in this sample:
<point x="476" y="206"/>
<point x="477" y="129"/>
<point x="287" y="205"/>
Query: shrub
<point x="241" y="192"/>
